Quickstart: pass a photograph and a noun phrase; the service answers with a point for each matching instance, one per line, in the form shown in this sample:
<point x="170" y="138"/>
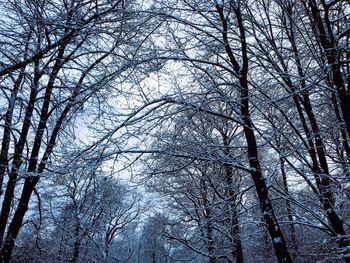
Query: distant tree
<point x="153" y="245"/>
<point x="88" y="219"/>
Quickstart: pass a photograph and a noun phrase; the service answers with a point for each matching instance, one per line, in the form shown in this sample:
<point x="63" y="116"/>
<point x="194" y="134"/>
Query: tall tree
<point x="74" y="51"/>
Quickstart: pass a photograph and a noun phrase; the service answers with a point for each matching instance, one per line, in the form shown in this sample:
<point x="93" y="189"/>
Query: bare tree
<point x="74" y="51"/>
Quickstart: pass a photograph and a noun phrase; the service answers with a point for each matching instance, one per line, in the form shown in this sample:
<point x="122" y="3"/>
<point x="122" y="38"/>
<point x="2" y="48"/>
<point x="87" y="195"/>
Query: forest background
<point x="174" y="131"/>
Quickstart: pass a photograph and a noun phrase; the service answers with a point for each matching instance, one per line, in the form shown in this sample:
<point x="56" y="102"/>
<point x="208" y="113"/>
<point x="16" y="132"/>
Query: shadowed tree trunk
<point x="278" y="241"/>
<point x="237" y="249"/>
<point x="292" y="231"/>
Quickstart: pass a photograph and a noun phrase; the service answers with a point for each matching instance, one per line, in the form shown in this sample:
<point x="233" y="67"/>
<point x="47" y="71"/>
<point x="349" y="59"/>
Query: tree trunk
<point x="17" y="158"/>
<point x="6" y="137"/>
<point x="237" y="249"/>
<point x="17" y="220"/>
<point x="327" y="39"/>
<point x="31" y="181"/>
<point x="76" y="243"/>
<point x="278" y="241"/>
<point x="209" y="234"/>
<point x="292" y="231"/>
<point x="273" y="227"/>
<point x="316" y="147"/>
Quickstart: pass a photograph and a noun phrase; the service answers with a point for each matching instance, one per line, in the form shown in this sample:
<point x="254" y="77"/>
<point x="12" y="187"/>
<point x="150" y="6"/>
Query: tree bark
<point x="32" y="179"/>
<point x="209" y="234"/>
<point x="17" y="158"/>
<point x="325" y="36"/>
<point x="76" y="243"/>
<point x="278" y="241"/>
<point x="6" y="138"/>
<point x="292" y="231"/>
<point x="237" y="248"/>
<point x="17" y="220"/>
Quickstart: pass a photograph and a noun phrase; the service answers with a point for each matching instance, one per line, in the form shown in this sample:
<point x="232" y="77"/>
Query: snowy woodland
<point x="150" y="131"/>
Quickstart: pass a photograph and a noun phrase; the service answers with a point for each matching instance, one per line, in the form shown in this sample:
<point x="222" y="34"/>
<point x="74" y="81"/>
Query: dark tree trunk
<point x="210" y="238"/>
<point x="278" y="241"/>
<point x="6" y="138"/>
<point x="292" y="231"/>
<point x="17" y="158"/>
<point x="32" y="171"/>
<point x="344" y="136"/>
<point x="154" y="257"/>
<point x="325" y="36"/>
<point x="17" y="220"/>
<point x="236" y="236"/>
<point x="209" y="234"/>
<point x="237" y="249"/>
<point x="33" y="167"/>
<point x="315" y="145"/>
<point x="76" y="243"/>
<point x="272" y="225"/>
